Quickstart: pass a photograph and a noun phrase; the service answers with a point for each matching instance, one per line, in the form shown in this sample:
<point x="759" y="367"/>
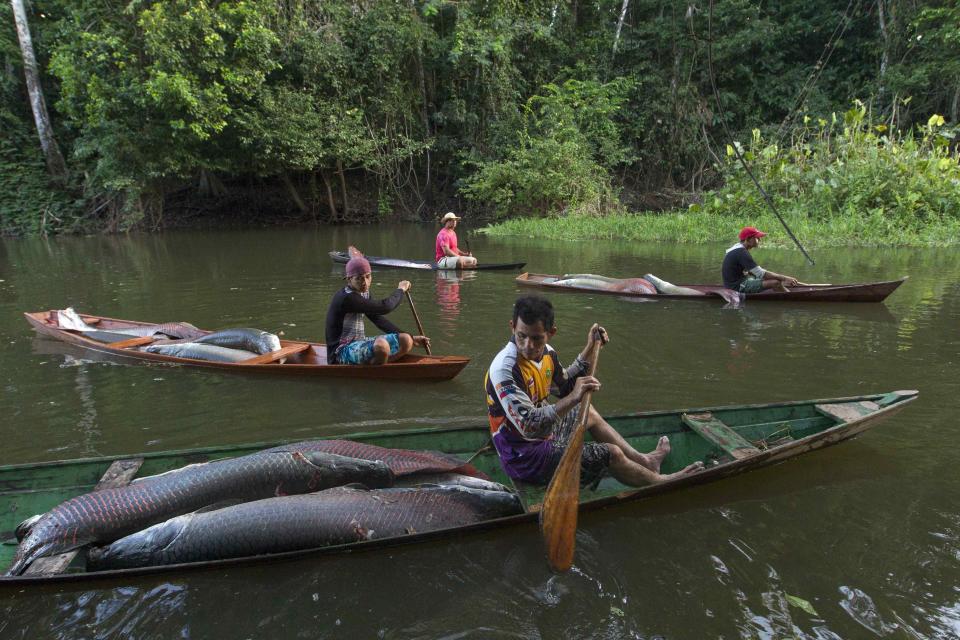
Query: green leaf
<point x="800" y="603"/>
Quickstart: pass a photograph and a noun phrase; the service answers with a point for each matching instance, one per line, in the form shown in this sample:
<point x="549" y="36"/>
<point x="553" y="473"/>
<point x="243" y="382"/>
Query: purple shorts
<point x="535" y="461"/>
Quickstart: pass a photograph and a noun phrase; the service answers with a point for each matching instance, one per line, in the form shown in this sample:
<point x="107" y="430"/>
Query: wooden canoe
<point x="399" y="263"/>
<point x="864" y="292"/>
<point x="729" y="440"/>
<point x="300" y="358"/>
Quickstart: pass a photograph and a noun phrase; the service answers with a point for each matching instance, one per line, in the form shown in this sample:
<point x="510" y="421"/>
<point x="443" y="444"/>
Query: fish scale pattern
<point x="105" y="515"/>
<point x="275" y="525"/>
<point x="402" y="462"/>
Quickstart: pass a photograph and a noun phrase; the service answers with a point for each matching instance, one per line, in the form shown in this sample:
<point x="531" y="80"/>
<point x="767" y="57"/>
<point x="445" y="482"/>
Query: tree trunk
<point x="885" y="57"/>
<point x="292" y="189"/>
<point x="314" y="195"/>
<point x="424" y="106"/>
<point x="55" y="164"/>
<point x="343" y="188"/>
<point x="623" y="15"/>
<point x="333" y="207"/>
<point x="955" y="107"/>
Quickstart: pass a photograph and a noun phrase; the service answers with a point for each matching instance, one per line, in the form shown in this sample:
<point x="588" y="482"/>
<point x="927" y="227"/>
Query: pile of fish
<point x="286" y="498"/>
<point x="229" y="345"/>
<point x="71" y="320"/>
<point x="275" y="525"/>
<point x="647" y="285"/>
<point x="182" y="339"/>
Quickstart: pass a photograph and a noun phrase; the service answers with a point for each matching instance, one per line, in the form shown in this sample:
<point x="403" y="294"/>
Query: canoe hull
<point x="398" y="263"/>
<point x="309" y="362"/>
<point x="76" y="476"/>
<point x="864" y="292"/>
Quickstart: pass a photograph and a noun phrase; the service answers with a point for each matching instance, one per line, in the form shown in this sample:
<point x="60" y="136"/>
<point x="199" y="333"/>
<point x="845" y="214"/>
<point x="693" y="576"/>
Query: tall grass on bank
<point x="702" y="227"/>
<point x="847" y="181"/>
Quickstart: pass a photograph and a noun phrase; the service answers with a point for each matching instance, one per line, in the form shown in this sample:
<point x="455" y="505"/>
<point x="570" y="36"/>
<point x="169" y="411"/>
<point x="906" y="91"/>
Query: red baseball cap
<point x="750" y="232"/>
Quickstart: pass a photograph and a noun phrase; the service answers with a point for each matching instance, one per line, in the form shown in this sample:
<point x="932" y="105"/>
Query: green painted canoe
<point x="729" y="440"/>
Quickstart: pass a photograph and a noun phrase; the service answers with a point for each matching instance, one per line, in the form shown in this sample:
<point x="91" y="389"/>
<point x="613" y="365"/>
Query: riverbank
<point x="699" y="227"/>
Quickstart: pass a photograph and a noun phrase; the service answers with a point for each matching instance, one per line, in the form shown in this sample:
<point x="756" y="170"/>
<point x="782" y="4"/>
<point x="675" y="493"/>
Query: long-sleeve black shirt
<point x="347" y="301"/>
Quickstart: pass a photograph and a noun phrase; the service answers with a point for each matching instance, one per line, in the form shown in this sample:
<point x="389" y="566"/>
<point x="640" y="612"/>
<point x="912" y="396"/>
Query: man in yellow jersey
<point x="530" y="434"/>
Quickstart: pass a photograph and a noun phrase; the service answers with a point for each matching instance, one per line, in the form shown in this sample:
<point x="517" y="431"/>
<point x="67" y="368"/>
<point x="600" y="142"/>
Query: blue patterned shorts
<point x="751" y="284"/>
<point x="361" y="351"/>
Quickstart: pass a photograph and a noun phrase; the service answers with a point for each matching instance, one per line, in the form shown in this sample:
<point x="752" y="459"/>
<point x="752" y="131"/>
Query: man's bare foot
<point x="655" y="457"/>
<point x="687" y="470"/>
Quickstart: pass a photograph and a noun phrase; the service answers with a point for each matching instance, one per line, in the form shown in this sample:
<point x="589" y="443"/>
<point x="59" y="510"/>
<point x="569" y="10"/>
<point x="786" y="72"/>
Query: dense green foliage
<point x="851" y="169"/>
<point x="356" y="109"/>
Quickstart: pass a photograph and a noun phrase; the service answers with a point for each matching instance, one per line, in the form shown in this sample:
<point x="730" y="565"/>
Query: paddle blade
<point x="558" y="517"/>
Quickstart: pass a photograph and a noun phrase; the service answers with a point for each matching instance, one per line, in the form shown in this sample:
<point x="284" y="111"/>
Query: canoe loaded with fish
<point x="200" y="515"/>
<point x="343" y="257"/>
<point x="245" y="350"/>
<point x="650" y="286"/>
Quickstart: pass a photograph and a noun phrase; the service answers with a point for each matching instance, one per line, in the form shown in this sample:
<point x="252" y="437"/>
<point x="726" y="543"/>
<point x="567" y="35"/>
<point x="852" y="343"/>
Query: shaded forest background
<point x="187" y="112"/>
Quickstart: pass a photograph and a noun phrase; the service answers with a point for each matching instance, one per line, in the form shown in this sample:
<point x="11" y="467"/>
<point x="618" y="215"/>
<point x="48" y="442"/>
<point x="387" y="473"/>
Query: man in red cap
<point x="742" y="273"/>
<point x="447" y="254"/>
<point x="346" y="340"/>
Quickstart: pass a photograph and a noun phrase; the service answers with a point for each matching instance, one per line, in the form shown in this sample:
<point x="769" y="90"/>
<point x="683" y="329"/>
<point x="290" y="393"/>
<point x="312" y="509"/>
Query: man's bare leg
<point x="467" y="261"/>
<point x="632" y="474"/>
<point x="603" y="432"/>
<point x="770" y="283"/>
<point x="405" y="345"/>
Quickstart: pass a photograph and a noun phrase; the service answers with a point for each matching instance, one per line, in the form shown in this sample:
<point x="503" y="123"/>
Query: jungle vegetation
<point x="178" y="111"/>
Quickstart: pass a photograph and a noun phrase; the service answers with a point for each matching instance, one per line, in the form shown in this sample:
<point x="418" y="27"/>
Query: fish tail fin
<point x="22" y="560"/>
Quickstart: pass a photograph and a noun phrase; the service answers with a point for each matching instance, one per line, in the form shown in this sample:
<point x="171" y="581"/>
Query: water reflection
<point x="448" y="295"/>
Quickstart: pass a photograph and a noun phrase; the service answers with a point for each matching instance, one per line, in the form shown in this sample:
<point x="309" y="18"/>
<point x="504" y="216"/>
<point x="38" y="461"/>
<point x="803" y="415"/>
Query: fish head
<point x="43" y="538"/>
<point x="272" y="342"/>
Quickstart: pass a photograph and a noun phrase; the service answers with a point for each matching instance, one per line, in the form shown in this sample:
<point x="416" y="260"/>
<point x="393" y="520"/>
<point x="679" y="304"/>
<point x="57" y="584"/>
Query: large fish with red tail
<point x="105" y="515"/>
<point x="402" y="462"/>
<point x="291" y="523"/>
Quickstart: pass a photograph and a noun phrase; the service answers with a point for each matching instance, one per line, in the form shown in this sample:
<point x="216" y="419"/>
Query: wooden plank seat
<point x="279" y="354"/>
<point x="118" y="474"/>
<point x="132" y="342"/>
<point x="719" y="434"/>
<point x="847" y="411"/>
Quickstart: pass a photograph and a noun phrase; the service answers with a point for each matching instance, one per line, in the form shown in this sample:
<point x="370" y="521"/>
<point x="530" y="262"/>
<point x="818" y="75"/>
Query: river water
<point x="867" y="533"/>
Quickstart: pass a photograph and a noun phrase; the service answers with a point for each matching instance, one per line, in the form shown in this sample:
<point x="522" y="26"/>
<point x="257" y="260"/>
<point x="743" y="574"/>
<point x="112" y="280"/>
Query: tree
<point x="55" y="164"/>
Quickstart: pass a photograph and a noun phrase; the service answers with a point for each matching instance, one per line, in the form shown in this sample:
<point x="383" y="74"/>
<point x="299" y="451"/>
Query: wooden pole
<point x="558" y="517"/>
<point x="416" y="318"/>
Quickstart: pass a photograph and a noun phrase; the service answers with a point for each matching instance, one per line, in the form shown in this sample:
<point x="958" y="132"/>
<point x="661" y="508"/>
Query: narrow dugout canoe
<point x="300" y="358"/>
<point x="398" y="263"/>
<point x="863" y="292"/>
<point x="730" y="440"/>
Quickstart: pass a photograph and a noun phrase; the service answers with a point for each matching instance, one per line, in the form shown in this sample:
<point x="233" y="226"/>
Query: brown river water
<point x="867" y="532"/>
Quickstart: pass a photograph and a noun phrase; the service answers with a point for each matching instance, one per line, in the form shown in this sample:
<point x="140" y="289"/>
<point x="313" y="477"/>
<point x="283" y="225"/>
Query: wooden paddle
<point x="815" y="284"/>
<point x="558" y="516"/>
<point x="416" y="318"/>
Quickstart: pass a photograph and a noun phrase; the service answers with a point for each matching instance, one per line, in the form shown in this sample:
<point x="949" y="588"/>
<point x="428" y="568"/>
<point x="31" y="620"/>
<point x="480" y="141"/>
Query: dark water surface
<point x="867" y="532"/>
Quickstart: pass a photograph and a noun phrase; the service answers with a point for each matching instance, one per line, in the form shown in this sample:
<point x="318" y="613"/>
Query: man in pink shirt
<point x="447" y="254"/>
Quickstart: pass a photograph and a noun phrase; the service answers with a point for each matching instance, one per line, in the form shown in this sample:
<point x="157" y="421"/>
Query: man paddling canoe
<point x="346" y="340"/>
<point x="529" y="434"/>
<point x="742" y="273"/>
<point x="447" y="254"/>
